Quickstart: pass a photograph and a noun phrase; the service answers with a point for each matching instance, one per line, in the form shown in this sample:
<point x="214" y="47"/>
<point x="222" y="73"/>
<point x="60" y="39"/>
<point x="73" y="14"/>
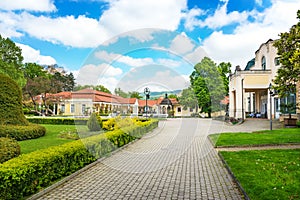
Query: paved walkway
<point x="176" y="161"/>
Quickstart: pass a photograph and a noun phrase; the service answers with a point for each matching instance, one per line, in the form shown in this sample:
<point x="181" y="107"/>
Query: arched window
<point x="263" y="63"/>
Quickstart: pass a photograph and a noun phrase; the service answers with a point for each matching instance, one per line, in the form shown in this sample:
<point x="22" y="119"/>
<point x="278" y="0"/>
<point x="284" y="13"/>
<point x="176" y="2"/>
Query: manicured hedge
<point x="9" y="148"/>
<point x="26" y="174"/>
<point x="22" y="132"/>
<point x="58" y="121"/>
<point x="11" y="111"/>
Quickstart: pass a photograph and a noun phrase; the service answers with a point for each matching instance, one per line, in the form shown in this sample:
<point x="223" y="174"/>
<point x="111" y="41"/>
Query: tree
<point x="101" y="88"/>
<point x="121" y="93"/>
<point x="224" y="70"/>
<point x="135" y="95"/>
<point x="188" y="98"/>
<point x="207" y="85"/>
<point x="93" y="123"/>
<point x="288" y="48"/>
<point x="11" y="60"/>
<point x="172" y="96"/>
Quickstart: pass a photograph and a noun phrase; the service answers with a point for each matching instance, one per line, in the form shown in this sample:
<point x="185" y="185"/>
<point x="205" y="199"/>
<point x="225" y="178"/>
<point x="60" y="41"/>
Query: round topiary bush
<point x="11" y="112"/>
<point x="9" y="148"/>
<point x="93" y="123"/>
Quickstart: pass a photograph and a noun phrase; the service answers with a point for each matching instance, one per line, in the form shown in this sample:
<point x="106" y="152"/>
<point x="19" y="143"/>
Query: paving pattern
<point x="176" y="161"/>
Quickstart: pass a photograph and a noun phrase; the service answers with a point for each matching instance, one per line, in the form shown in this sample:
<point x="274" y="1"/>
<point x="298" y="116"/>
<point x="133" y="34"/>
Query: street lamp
<point x="271" y="94"/>
<point x="147" y="93"/>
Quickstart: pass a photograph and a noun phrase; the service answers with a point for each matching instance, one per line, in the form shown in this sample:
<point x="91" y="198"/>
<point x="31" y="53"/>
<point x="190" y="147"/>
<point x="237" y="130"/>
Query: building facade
<point x="249" y="93"/>
<point x="87" y="101"/>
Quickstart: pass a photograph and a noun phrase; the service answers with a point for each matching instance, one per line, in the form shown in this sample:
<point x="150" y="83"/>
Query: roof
<point x="250" y="64"/>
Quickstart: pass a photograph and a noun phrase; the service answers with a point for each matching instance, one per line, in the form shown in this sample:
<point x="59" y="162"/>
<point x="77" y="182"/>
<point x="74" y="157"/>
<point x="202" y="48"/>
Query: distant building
<point x="249" y="88"/>
<point x="86" y="101"/>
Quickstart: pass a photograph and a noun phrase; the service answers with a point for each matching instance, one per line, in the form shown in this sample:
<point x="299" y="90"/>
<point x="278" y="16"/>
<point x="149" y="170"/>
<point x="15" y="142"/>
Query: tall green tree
<point x="188" y="98"/>
<point x="207" y="85"/>
<point x="288" y="48"/>
<point x="121" y="93"/>
<point x="224" y="70"/>
<point x="135" y="95"/>
<point x="100" y="88"/>
<point x="11" y="61"/>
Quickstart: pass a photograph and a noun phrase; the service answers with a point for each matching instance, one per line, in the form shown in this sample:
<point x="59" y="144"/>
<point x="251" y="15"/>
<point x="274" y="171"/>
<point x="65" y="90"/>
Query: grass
<point x="267" y="174"/>
<point x="280" y="136"/>
<point x="55" y="135"/>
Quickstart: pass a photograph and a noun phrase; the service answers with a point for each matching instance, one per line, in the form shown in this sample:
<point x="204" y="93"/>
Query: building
<point x="249" y="93"/>
<point x="86" y="101"/>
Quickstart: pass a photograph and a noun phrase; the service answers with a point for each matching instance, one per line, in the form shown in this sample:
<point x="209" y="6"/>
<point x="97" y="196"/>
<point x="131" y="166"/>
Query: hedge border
<point x="26" y="174"/>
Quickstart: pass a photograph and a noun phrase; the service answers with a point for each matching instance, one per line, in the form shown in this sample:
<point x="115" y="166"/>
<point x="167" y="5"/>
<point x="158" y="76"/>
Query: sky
<point x="133" y="44"/>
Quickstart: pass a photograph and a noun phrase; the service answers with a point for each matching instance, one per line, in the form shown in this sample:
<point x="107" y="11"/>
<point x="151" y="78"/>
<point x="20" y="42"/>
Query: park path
<point x="176" y="161"/>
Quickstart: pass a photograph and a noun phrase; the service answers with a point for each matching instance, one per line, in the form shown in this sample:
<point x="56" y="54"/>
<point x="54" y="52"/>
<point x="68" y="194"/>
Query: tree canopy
<point x="288" y="48"/>
<point x="188" y="98"/>
<point x="11" y="61"/>
<point x="207" y="85"/>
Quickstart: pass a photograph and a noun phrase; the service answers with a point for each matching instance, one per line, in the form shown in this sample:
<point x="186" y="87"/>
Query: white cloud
<point x="107" y="57"/>
<point x="135" y="62"/>
<point x="240" y="46"/>
<point x="125" y="15"/>
<point x="181" y="44"/>
<point x="219" y="19"/>
<point x="168" y="62"/>
<point x="122" y="16"/>
<point x="31" y="5"/>
<point x="34" y="56"/>
<point x="91" y="74"/>
<point x="259" y="2"/>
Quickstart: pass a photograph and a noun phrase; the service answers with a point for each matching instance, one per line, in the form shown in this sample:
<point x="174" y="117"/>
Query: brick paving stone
<point x="176" y="161"/>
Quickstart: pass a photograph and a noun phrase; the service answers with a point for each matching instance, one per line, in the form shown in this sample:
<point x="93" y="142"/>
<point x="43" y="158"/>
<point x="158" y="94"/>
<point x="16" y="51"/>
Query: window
<point x="179" y="109"/>
<point x="83" y="108"/>
<point x="62" y="108"/>
<point x="72" y="108"/>
<point x="263" y="63"/>
<point x="277" y="61"/>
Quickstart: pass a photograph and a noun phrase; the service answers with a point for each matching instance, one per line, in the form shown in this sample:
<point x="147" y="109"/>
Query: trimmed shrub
<point x="22" y="132"/>
<point x="11" y="111"/>
<point x="58" y="121"/>
<point x="93" y="123"/>
<point x="28" y="173"/>
<point x="9" y="148"/>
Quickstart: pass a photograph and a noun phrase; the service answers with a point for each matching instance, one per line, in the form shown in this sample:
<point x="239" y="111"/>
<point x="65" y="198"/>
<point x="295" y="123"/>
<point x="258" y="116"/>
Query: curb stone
<point x="234" y="178"/>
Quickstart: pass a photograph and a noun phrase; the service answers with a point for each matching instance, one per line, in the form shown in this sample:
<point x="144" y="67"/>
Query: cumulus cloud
<point x="30" y="5"/>
<point x="34" y="56"/>
<point x="90" y="74"/>
<point x="219" y="19"/>
<point x="240" y="46"/>
<point x="181" y="44"/>
<point x="82" y="31"/>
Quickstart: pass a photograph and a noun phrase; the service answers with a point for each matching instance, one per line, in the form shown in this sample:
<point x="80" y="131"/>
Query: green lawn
<point x="280" y="136"/>
<point x="267" y="174"/>
<point x="50" y="139"/>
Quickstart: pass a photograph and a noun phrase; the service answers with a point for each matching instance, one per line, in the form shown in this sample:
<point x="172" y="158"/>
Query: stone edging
<point x="241" y="189"/>
<point x="67" y="178"/>
<point x="233" y="177"/>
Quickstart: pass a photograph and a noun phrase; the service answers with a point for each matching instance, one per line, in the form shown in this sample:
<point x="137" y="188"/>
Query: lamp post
<point x="147" y="93"/>
<point x="270" y="93"/>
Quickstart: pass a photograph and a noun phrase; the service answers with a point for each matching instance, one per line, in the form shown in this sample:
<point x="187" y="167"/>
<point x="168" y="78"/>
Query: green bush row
<point x="58" y="121"/>
<point x="9" y="148"/>
<point x="22" y="132"/>
<point x="28" y="173"/>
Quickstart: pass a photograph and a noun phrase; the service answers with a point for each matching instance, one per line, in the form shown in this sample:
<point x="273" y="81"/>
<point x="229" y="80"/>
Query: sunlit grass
<point x="280" y="136"/>
<point x="267" y="174"/>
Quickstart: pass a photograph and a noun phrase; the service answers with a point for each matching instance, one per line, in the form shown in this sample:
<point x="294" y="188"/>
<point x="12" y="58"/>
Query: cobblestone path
<point x="176" y="161"/>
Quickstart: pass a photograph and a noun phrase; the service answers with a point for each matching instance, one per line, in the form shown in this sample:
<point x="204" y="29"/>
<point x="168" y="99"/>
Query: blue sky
<point x="116" y="42"/>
